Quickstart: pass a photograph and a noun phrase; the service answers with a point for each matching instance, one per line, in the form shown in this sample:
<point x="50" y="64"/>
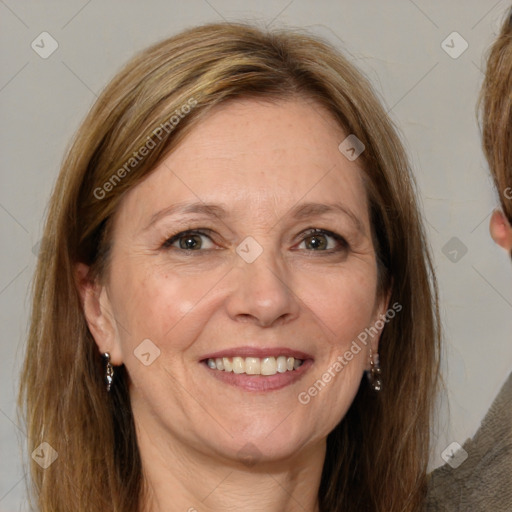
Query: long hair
<point x="496" y="114"/>
<point x="377" y="456"/>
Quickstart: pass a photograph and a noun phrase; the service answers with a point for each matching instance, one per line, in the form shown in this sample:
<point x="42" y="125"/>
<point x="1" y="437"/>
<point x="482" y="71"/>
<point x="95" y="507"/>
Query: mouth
<point x="255" y="365"/>
<point x="258" y="369"/>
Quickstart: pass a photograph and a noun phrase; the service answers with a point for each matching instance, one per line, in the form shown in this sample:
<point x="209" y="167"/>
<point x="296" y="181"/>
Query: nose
<point x="262" y="292"/>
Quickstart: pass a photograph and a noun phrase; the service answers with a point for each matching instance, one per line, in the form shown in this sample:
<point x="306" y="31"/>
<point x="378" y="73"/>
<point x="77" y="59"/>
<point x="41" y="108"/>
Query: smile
<point x="255" y="365"/>
<point x="257" y="369"/>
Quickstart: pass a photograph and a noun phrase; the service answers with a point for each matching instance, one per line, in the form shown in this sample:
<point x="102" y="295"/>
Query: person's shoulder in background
<point x="482" y="482"/>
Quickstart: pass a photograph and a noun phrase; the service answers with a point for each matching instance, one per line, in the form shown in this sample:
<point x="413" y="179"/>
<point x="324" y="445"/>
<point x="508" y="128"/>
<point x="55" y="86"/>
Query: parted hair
<point x="376" y="457"/>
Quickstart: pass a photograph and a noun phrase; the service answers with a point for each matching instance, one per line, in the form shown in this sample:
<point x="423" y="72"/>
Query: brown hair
<point x="377" y="456"/>
<point x="496" y="111"/>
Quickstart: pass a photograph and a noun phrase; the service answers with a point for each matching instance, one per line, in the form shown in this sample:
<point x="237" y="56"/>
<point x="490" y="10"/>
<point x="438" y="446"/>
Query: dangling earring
<point x="374" y="373"/>
<point x="109" y="371"/>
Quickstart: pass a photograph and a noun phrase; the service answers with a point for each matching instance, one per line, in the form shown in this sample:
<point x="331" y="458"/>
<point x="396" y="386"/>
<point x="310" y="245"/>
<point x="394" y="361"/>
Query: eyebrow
<point x="299" y="212"/>
<point x="306" y="210"/>
<point x="208" y="209"/>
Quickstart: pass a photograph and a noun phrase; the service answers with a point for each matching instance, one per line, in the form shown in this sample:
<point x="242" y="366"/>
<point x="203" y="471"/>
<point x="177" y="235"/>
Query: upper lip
<point x="259" y="352"/>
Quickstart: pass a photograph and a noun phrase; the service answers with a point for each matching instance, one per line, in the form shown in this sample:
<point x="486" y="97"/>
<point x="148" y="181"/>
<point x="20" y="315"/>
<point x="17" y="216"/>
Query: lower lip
<point x="261" y="382"/>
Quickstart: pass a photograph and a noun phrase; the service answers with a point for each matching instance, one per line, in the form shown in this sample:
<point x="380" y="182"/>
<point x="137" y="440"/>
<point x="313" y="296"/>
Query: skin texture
<point x="258" y="160"/>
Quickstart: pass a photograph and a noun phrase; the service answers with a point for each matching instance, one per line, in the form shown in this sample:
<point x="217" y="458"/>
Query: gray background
<point x="430" y="95"/>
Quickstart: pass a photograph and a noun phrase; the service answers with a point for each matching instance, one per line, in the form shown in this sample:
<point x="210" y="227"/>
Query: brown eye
<point x="319" y="240"/>
<point x="189" y="241"/>
<point x="316" y="242"/>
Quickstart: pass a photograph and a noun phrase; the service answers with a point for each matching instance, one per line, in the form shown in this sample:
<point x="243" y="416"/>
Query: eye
<point x="321" y="240"/>
<point x="192" y="240"/>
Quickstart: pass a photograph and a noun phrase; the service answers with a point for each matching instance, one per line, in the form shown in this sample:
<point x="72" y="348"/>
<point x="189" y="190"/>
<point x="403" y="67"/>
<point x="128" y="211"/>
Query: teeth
<point x="238" y="365"/>
<point x="252" y="366"/>
<point x="228" y="365"/>
<point x="281" y="364"/>
<point x="255" y="365"/>
<point x="268" y="366"/>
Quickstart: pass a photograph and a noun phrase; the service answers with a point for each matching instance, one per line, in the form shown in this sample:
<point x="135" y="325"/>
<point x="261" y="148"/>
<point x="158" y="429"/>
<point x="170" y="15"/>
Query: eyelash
<point x="308" y="233"/>
<point x="182" y="234"/>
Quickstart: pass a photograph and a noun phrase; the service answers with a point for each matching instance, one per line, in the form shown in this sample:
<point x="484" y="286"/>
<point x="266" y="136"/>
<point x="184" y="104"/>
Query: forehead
<point x="256" y="155"/>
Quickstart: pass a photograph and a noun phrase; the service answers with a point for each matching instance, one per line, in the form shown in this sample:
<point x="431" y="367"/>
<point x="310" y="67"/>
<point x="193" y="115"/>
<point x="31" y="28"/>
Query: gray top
<point x="483" y="481"/>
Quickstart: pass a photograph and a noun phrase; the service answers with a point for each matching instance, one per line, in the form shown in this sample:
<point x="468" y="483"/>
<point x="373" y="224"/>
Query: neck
<point x="180" y="478"/>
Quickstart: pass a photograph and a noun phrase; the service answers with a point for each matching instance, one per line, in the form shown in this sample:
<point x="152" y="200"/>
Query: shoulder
<point x="483" y="481"/>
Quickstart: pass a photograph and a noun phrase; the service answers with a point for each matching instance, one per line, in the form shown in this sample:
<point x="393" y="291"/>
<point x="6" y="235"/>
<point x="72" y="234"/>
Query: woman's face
<point x="215" y="257"/>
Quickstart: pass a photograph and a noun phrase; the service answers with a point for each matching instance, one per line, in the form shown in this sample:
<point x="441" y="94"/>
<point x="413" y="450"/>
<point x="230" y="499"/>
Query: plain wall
<point x="429" y="94"/>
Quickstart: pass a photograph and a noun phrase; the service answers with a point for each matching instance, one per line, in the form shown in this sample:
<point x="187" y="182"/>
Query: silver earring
<point x="374" y="374"/>
<point x="109" y="371"/>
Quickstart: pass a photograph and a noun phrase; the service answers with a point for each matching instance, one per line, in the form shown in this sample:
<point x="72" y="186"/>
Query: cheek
<point x="343" y="302"/>
<point x="153" y="302"/>
<point x="342" y="305"/>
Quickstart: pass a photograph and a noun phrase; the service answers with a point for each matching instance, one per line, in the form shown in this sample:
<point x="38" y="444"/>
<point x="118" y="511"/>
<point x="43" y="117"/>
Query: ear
<point x="99" y="314"/>
<point x="501" y="231"/>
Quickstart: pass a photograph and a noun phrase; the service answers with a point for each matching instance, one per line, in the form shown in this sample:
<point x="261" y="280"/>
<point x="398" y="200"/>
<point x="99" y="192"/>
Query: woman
<point x="235" y="233"/>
